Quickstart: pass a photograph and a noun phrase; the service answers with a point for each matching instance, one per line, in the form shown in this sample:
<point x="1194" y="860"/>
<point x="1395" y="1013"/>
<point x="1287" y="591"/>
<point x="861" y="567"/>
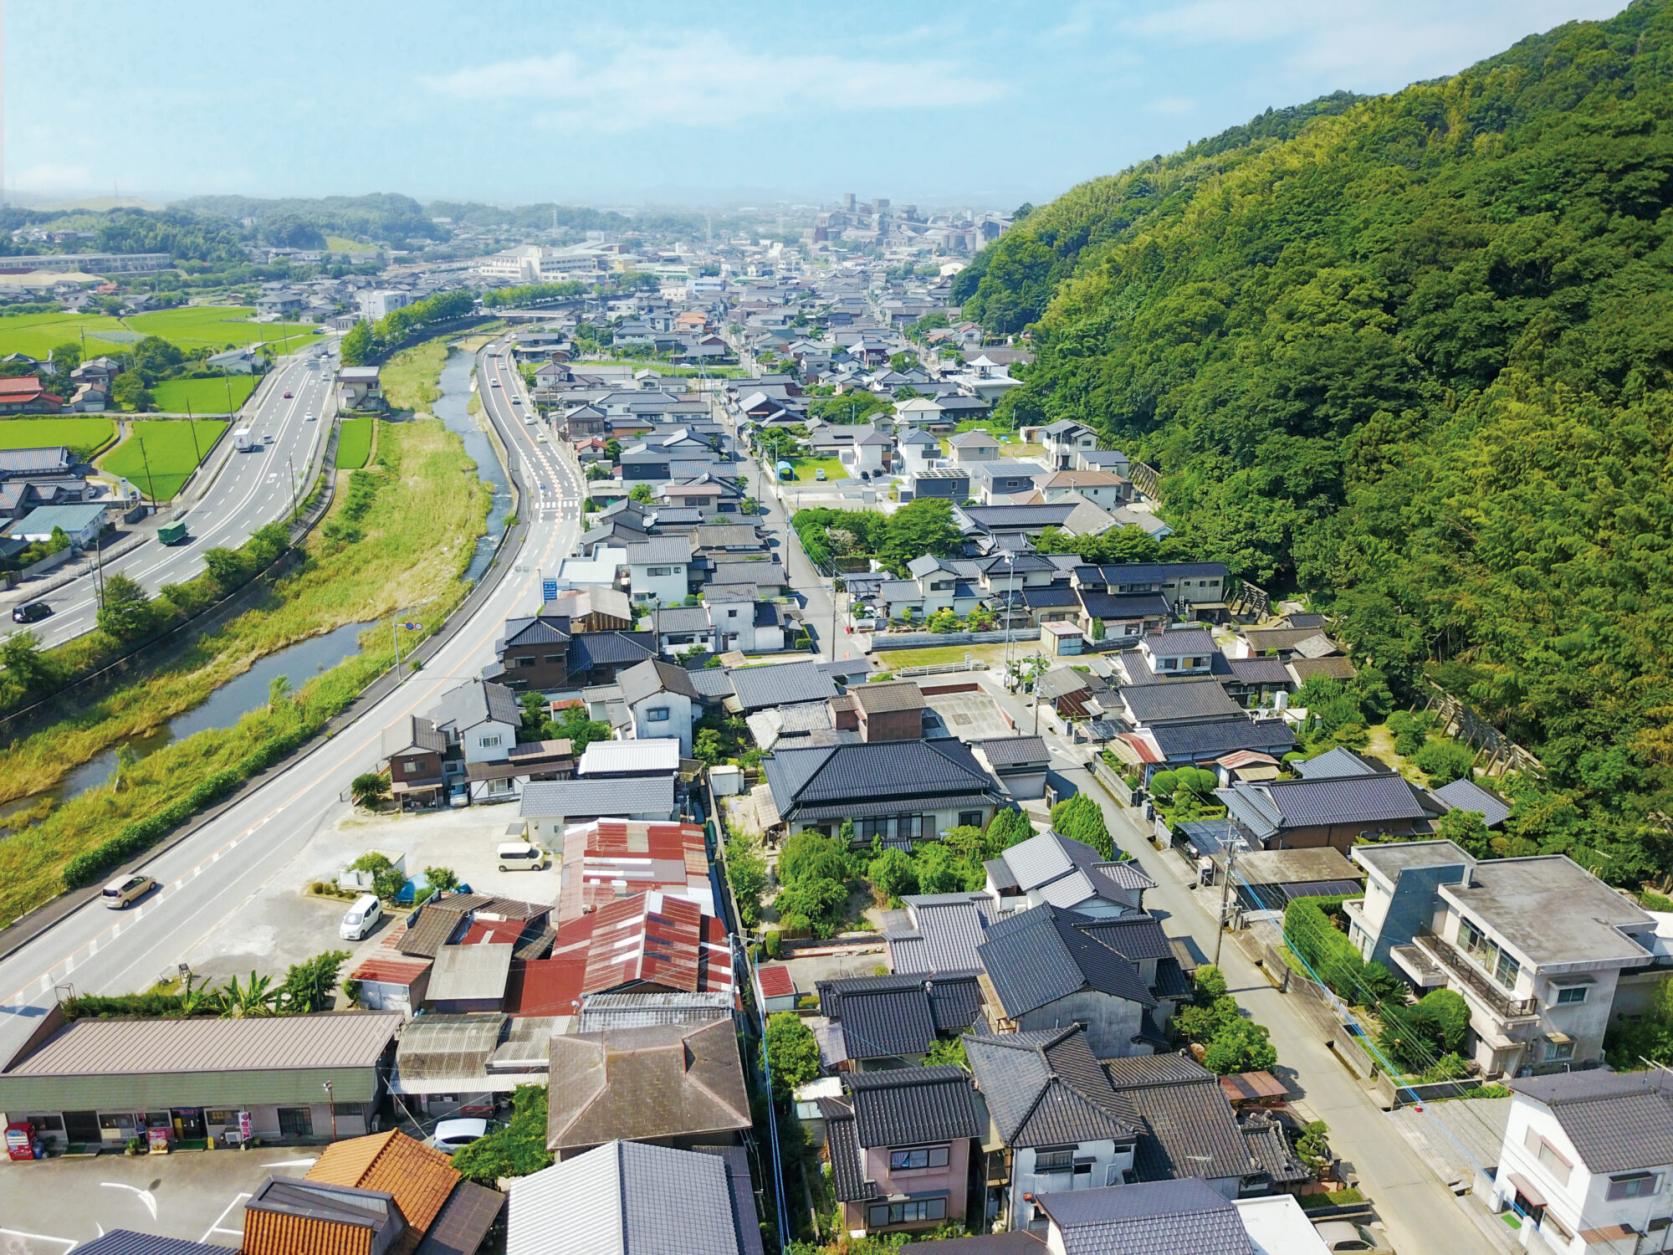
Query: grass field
<point x="190" y="327"/>
<point x="941" y="655"/>
<point x="666" y="369"/>
<point x="81" y="434"/>
<point x="805" y="468"/>
<point x="1018" y="449"/>
<point x="342" y="244"/>
<point x="410" y="377"/>
<point x="168" y="451"/>
<point x="354" y="444"/>
<point x="203" y="396"/>
<point x="413" y="542"/>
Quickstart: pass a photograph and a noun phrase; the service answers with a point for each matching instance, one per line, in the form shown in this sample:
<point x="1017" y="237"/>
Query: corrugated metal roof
<point x="472" y="972"/>
<point x="630" y="798"/>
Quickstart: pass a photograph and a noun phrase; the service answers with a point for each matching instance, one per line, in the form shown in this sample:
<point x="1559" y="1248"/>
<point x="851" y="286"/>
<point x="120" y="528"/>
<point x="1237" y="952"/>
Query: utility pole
<point x="291" y="466"/>
<point x="192" y="426"/>
<point x="150" y="486"/>
<point x="835" y="586"/>
<point x="1225" y="894"/>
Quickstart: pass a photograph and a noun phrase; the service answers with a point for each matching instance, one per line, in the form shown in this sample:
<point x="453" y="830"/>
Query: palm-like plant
<point x="254" y="999"/>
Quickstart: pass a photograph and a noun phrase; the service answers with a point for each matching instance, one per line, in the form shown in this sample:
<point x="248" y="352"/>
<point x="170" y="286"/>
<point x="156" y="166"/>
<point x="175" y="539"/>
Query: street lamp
<point x="330" y="1102"/>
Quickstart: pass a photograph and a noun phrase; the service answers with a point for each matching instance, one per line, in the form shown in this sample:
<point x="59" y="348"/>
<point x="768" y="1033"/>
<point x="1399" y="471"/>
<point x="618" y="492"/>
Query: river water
<point x="305" y="659"/>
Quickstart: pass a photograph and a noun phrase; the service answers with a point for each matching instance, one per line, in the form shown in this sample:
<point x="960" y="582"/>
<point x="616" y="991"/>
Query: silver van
<point x="361" y="918"/>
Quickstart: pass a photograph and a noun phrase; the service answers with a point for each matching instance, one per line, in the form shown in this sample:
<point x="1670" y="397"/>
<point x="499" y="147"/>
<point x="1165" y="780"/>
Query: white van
<point x="521" y="856"/>
<point x="361" y="918"/>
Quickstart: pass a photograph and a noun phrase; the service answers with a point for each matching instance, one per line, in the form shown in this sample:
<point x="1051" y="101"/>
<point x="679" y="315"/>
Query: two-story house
<point x="662" y="700"/>
<point x="1053" y="870"/>
<point x="900" y="1145"/>
<point x="1046" y="968"/>
<point x="1101" y="488"/>
<point x="533" y="654"/>
<point x="480" y="720"/>
<point x="657" y="570"/>
<point x="882" y="1022"/>
<point x="1587" y="1160"/>
<point x="1536" y="946"/>
<point x="1339" y="812"/>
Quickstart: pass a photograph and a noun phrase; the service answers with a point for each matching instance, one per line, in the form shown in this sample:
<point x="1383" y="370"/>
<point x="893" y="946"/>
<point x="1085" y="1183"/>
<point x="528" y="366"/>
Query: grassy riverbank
<point x="398" y="538"/>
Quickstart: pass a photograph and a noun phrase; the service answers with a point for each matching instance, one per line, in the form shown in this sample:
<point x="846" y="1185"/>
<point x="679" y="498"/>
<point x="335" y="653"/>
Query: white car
<point x="451" y="1135"/>
<point x="493" y="383"/>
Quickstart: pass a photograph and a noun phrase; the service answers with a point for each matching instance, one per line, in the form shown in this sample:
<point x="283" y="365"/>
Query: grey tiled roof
<point x="1173" y="700"/>
<point x="901" y="1014"/>
<point x="474" y="702"/>
<point x="949" y="927"/>
<point x="1045" y="1088"/>
<point x="1280" y="804"/>
<point x="1270" y="1148"/>
<point x="1014" y="751"/>
<point x="847" y="1167"/>
<point x="597" y="649"/>
<point x="1334" y="764"/>
<point x="906" y="1106"/>
<point x="879" y="773"/>
<point x="1223" y="736"/>
<point x="128" y="1242"/>
<point x="1467" y="795"/>
<point x="1039" y="956"/>
<point x="758" y="687"/>
<point x="653" y="676"/>
<point x="1616" y="1120"/>
<point x="660" y="549"/>
<point x="1189" y="1128"/>
<point x="1156" y="1218"/>
<point x="1134" y="937"/>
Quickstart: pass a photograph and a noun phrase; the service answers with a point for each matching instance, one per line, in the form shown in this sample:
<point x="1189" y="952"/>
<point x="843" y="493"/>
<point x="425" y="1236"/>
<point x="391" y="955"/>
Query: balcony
<point x="1458" y="965"/>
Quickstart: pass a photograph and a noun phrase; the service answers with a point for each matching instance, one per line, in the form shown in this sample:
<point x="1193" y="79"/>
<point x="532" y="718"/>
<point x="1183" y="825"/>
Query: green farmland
<point x="166" y="446"/>
<point x="354" y="443"/>
<point x="203" y="396"/>
<point x="81" y="434"/>
<point x="190" y="327"/>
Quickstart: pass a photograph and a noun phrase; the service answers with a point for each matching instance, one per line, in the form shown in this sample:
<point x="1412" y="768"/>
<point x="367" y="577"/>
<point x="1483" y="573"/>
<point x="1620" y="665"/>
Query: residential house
<point x="632" y="1198"/>
<point x="1339" y="812"/>
<point x="607" y="860"/>
<point x="973" y="446"/>
<point x="240" y="361"/>
<point x="1101" y="488"/>
<point x="26" y="394"/>
<point x="1048" y="968"/>
<point x="1184" y="584"/>
<point x="662" y="701"/>
<point x="899" y="1143"/>
<point x="1587" y="1160"/>
<point x="889" y="711"/>
<point x="548" y="807"/>
<point x="601" y="657"/>
<point x="591" y="610"/>
<point x="868" y="452"/>
<point x="672" y="1085"/>
<point x="1020" y="763"/>
<point x="480" y="720"/>
<point x="903" y="792"/>
<point x="996" y="483"/>
<point x="1187" y="1127"/>
<point x="743" y="621"/>
<point x="683" y="629"/>
<point x="1064" y="441"/>
<point x="658" y="570"/>
<point x="918" y="450"/>
<point x="875" y="1022"/>
<point x="414" y="749"/>
<point x="359" y="388"/>
<point x="533" y="654"/>
<point x="1538" y="947"/>
<point x="83" y="523"/>
<point x="784" y="684"/>
<point x="1051" y="869"/>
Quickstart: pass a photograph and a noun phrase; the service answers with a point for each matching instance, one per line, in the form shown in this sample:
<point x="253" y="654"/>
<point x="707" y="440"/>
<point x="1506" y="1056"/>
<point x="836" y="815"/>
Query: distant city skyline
<point x="974" y="104"/>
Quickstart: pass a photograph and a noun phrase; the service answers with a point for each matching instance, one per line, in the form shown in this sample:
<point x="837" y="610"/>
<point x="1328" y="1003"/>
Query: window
<point x="970" y="819"/>
<point x="653" y="571"/>
<point x="220" y="1115"/>
<point x="1506" y="970"/>
<point x="1549" y="1157"/>
<point x="910" y="1211"/>
<point x="1634" y="1185"/>
<point x="1048" y="1161"/>
<point x="1469" y="936"/>
<point x="869" y="828"/>
<point x="490" y="742"/>
<point x="918" y="1157"/>
<point x="522" y="662"/>
<point x="657" y="714"/>
<point x="1556" y="1052"/>
<point x="119" y="1121"/>
<point x="552" y="659"/>
<point x="1571" y="994"/>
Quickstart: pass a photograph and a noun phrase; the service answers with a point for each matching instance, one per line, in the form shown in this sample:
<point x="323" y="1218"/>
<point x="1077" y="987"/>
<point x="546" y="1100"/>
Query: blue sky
<point x="623" y="103"/>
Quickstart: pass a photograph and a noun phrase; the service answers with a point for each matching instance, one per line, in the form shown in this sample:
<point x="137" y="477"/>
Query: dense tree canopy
<point x="1412" y="354"/>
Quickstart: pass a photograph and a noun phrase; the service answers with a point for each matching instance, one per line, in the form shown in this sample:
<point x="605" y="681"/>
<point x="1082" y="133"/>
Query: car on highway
<point x="493" y="383"/>
<point x="30" y="612"/>
<point x="307" y="418"/>
<point x="120" y="894"/>
<point x="451" y="1135"/>
<point x="287" y="394"/>
<point x="528" y="420"/>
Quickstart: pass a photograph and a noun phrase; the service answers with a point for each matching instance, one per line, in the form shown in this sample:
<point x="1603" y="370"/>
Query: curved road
<point x="208" y="877"/>
<point x="249" y="491"/>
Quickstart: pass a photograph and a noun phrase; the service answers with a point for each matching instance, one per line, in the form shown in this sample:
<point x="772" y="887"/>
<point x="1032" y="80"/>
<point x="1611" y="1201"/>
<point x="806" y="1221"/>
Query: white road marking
<point x="67" y="1243"/>
<point x="216" y="1227"/>
<point x="145" y="1196"/>
<point x="292" y="1163"/>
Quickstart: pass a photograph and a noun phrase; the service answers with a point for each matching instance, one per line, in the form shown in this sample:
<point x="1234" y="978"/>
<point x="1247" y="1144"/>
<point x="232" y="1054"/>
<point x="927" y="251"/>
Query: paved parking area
<point x="191" y="1195"/>
<point x="281" y="924"/>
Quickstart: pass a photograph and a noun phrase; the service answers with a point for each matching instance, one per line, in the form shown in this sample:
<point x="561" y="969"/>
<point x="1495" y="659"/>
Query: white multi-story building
<point x="376" y="305"/>
<point x="1539" y="948"/>
<point x="1588" y="1158"/>
<point x="517" y="265"/>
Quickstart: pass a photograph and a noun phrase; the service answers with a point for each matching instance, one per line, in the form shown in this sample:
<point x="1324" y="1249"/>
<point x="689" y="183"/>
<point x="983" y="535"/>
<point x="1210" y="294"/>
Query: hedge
<point x="1333" y="958"/>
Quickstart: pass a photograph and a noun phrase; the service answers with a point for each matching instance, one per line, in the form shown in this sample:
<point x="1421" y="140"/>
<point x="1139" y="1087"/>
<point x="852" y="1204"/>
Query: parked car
<point x="522" y="856"/>
<point x="30" y="612"/>
<point x="360" y="918"/>
<point x="1350" y="1235"/>
<point x="119" y="894"/>
<point x="451" y="1135"/>
<point x="820" y="474"/>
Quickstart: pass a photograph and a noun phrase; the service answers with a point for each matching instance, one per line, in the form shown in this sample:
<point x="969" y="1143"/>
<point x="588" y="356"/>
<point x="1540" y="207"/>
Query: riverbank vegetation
<point x="399" y="535"/>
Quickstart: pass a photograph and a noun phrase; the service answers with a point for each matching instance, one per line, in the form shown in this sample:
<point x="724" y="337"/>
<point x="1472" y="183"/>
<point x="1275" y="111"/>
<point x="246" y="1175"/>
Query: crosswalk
<point x="557" y="505"/>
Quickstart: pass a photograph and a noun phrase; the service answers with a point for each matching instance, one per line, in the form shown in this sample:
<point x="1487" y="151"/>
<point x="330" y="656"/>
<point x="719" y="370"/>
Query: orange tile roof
<point x="419" y="1178"/>
<point x="279" y="1233"/>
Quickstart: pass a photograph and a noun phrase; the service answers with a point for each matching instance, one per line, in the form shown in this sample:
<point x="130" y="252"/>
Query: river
<point x="453" y="408"/>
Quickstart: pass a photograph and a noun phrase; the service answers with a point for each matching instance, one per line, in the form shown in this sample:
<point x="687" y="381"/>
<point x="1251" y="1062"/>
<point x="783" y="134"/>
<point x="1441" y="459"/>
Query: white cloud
<point x="50" y="177"/>
<point x="1171" y="105"/>
<point x="1365" y="44"/>
<point x="615" y="84"/>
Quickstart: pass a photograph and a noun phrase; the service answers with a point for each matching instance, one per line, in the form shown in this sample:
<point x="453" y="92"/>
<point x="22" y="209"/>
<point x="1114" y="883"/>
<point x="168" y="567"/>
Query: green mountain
<point x="1412" y="354"/>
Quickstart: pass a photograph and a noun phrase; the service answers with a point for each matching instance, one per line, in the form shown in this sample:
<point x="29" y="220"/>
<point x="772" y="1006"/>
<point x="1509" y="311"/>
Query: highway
<point x="248" y="491"/>
<point x="207" y="878"/>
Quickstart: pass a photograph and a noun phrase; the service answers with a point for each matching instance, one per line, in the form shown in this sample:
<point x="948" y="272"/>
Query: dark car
<point x="33" y="612"/>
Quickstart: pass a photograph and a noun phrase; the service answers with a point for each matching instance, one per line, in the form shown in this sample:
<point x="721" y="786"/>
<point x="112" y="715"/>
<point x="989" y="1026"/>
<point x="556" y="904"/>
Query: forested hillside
<point x="1415" y="359"/>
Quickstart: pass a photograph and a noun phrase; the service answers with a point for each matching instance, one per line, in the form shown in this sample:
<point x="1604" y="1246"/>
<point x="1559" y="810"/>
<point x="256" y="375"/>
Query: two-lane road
<point x="249" y="491"/>
<point x="208" y="877"/>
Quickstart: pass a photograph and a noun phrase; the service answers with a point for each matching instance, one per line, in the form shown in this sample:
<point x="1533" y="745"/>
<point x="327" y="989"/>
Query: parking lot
<point x="196" y="1195"/>
<point x="281" y="924"/>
